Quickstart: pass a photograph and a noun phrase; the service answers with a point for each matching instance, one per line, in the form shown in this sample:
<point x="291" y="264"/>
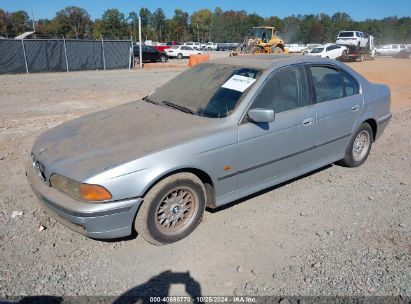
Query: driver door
<point x="269" y="150"/>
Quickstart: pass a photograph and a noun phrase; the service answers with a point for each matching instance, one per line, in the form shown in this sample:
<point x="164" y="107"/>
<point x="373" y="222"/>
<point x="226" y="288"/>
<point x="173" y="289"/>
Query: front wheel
<point x="172" y="209"/>
<point x="163" y="58"/>
<point x="256" y="50"/>
<point x="180" y="56"/>
<point x="359" y="147"/>
<point x="277" y="50"/>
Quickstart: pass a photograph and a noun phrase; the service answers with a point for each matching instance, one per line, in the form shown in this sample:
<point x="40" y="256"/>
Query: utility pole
<point x="34" y="28"/>
<point x="198" y="34"/>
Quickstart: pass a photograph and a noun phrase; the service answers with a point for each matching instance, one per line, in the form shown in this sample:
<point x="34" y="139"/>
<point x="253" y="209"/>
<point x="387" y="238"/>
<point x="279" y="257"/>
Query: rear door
<point x="151" y="53"/>
<point x="269" y="150"/>
<point x="338" y="106"/>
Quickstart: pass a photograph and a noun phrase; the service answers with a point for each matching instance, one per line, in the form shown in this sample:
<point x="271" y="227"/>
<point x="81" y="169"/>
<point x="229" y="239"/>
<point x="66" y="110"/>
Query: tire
<point x="359" y="147"/>
<point x="165" y="199"/>
<point x="277" y="50"/>
<point x="305" y="53"/>
<point x="179" y="56"/>
<point x="163" y="58"/>
<point x="255" y="50"/>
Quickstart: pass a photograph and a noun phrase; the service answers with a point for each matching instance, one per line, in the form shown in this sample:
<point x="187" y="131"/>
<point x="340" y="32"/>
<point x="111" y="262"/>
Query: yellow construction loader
<point x="264" y="40"/>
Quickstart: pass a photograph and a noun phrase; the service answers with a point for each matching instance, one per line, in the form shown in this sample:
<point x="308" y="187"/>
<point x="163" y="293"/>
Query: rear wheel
<point x="163" y="58"/>
<point x="172" y="209"/>
<point x="359" y="147"/>
<point x="136" y="60"/>
<point x="180" y="56"/>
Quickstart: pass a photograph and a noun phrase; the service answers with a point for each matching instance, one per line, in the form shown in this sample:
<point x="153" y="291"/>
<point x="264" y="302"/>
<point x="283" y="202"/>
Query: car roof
<point x="267" y="61"/>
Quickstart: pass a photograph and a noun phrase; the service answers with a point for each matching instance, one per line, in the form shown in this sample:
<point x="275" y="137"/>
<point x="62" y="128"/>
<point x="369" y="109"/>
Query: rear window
<point x="346" y="34"/>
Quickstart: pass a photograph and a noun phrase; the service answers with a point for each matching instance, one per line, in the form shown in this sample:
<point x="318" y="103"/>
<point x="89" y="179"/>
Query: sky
<point x="358" y="9"/>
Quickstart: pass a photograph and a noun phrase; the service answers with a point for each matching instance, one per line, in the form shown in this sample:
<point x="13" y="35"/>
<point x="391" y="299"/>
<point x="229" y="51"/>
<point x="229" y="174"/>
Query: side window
<point x="351" y="85"/>
<point x="284" y="91"/>
<point x="395" y="46"/>
<point x="327" y="83"/>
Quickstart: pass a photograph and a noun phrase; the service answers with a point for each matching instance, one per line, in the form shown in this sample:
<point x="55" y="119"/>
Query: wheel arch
<point x="200" y="173"/>
<point x="373" y="124"/>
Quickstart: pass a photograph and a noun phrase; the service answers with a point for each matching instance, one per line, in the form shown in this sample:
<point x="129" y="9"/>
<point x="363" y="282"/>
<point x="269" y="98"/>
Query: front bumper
<point x="96" y="220"/>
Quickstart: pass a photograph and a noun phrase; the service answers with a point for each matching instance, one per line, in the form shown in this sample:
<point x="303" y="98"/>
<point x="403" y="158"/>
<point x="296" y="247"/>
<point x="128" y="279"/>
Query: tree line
<point x="203" y="25"/>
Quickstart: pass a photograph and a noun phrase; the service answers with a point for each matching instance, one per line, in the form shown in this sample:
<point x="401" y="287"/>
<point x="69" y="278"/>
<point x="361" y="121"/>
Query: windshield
<point x="264" y="34"/>
<point x="346" y="34"/>
<point x="317" y="50"/>
<point x="210" y="90"/>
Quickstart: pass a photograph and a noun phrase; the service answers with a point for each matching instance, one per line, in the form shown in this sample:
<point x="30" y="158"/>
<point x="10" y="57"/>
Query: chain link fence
<point x="63" y="55"/>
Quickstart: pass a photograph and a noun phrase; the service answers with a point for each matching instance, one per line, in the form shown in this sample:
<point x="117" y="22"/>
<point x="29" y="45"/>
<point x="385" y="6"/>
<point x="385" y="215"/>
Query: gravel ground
<point x="336" y="231"/>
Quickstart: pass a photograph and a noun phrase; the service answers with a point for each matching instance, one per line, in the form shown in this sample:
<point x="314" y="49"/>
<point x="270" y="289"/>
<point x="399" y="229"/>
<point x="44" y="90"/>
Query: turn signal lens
<point x="78" y="190"/>
<point x="94" y="193"/>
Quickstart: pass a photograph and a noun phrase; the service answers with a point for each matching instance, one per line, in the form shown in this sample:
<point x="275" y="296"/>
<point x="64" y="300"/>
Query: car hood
<point x="91" y="144"/>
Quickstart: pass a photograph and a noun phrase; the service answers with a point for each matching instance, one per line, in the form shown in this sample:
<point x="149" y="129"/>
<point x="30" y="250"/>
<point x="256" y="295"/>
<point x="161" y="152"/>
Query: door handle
<point x="355" y="108"/>
<point x="308" y="121"/>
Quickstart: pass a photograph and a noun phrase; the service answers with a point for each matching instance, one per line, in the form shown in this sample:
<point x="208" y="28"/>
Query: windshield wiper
<point x="146" y="99"/>
<point x="178" y="107"/>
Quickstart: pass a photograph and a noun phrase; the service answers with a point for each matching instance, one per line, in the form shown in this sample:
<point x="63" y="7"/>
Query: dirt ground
<point x="337" y="231"/>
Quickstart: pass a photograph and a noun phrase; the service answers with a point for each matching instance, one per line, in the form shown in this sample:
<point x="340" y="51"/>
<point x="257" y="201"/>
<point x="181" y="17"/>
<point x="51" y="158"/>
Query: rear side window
<point x="351" y="85"/>
<point x="284" y="91"/>
<point x="327" y="83"/>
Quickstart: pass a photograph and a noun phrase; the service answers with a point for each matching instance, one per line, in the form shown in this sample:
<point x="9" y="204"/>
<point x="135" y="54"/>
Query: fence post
<point x="104" y="59"/>
<point x="25" y="57"/>
<point x="65" y="54"/>
<point x="131" y="57"/>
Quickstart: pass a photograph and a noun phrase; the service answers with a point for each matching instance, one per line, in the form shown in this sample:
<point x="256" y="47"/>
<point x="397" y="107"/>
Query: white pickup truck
<point x="210" y="46"/>
<point x="296" y="48"/>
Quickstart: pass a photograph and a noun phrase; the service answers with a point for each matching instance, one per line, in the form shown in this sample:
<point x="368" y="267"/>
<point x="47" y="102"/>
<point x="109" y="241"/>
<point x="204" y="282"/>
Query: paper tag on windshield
<point x="238" y="83"/>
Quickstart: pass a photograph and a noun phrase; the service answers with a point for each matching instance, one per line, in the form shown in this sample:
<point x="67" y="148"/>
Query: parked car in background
<point x="403" y="54"/>
<point x="193" y="45"/>
<point x="329" y="50"/>
<point x="165" y="46"/>
<point x="228" y="46"/>
<point x="352" y="38"/>
<point x="310" y="46"/>
<point x="390" y="49"/>
<point x="296" y="48"/>
<point x="149" y="54"/>
<point x="216" y="133"/>
<point x="210" y="46"/>
<point x="181" y="51"/>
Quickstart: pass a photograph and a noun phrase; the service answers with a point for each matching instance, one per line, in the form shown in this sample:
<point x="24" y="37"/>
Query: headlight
<point x="78" y="190"/>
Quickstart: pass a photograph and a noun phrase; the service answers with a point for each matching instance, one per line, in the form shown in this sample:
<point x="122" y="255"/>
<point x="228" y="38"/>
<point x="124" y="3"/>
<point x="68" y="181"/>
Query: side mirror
<point x="261" y="115"/>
